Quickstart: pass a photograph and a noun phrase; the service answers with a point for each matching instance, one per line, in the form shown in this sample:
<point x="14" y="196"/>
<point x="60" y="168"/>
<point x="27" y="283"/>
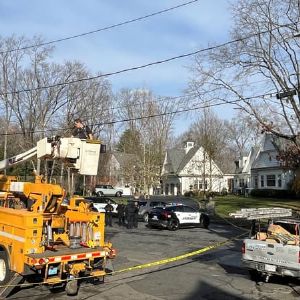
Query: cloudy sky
<point x="176" y="32"/>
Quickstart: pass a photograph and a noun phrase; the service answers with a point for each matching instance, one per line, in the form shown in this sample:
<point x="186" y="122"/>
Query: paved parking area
<point x="216" y="274"/>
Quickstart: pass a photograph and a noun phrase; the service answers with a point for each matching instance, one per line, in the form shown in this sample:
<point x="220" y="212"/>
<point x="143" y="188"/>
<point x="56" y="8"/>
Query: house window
<point x="271" y="180"/>
<point x="279" y="181"/>
<point x="255" y="181"/>
<point x="262" y="180"/>
<point x="242" y="182"/>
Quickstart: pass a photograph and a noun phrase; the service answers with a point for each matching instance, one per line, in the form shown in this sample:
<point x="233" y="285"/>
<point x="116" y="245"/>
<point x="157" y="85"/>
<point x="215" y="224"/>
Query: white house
<point x="242" y="177"/>
<point x="190" y="168"/>
<point x="267" y="172"/>
<point x="261" y="169"/>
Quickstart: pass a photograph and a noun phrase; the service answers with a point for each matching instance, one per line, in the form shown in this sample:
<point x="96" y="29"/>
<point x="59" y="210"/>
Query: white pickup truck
<point x="274" y="250"/>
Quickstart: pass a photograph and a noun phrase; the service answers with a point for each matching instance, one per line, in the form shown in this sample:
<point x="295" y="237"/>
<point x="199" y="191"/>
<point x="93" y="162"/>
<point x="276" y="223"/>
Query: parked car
<point x="100" y="202"/>
<point x="108" y="190"/>
<point x="145" y="206"/>
<point x="173" y="217"/>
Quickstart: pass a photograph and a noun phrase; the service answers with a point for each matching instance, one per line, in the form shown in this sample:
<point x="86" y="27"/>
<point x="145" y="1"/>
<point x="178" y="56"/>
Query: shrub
<point x="272" y="193"/>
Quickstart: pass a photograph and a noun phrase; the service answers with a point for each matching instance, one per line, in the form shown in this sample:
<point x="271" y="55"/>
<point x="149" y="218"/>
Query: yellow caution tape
<point x="179" y="257"/>
<point x="143" y="266"/>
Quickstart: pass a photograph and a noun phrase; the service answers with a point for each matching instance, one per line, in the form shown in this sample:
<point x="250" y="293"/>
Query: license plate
<point x="154" y="218"/>
<point x="270" y="268"/>
<point x="52" y="271"/>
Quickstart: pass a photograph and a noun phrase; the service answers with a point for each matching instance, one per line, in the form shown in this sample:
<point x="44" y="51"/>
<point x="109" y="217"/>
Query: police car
<point x="174" y="216"/>
<point x="100" y="202"/>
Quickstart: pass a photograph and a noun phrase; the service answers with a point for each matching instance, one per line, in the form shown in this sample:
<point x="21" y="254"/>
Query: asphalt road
<point x="216" y="274"/>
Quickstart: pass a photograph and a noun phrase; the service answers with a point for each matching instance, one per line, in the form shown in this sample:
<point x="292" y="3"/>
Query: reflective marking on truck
<point x="12" y="236"/>
<point x="78" y="256"/>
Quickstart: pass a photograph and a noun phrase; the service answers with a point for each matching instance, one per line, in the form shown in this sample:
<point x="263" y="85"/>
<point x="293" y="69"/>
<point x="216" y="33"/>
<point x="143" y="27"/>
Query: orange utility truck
<point x="45" y="238"/>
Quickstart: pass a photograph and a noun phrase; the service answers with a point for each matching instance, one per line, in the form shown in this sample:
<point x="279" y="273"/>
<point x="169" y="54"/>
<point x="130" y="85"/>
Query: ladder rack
<point x="261" y="213"/>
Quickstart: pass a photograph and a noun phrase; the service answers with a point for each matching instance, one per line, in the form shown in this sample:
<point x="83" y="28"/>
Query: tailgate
<point x="286" y="256"/>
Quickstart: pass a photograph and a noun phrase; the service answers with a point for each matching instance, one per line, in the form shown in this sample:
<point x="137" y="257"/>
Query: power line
<point x="160" y="99"/>
<point x="147" y="64"/>
<point x="150" y="116"/>
<point x="102" y="29"/>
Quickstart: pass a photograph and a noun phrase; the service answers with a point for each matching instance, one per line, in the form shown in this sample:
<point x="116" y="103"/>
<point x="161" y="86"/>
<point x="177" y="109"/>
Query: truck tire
<point x="5" y="273"/>
<point x="173" y="224"/>
<point x="100" y="194"/>
<point x="145" y="217"/>
<point x="118" y="194"/>
<point x="72" y="287"/>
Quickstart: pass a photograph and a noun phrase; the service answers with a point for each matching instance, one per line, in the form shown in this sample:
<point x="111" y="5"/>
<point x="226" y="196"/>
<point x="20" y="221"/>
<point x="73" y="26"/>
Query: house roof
<point x="266" y="157"/>
<point x="175" y="157"/>
<point x="187" y="157"/>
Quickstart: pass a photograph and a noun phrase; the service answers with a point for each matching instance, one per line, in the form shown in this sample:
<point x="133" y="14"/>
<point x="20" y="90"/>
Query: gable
<point x="198" y="163"/>
<point x="267" y="155"/>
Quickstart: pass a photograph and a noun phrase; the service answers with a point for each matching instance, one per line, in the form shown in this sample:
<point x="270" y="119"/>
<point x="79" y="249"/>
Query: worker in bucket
<point x="81" y="130"/>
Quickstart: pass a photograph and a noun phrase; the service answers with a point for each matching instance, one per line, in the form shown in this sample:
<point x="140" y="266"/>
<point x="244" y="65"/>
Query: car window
<point x="188" y="209"/>
<point x="154" y="203"/>
<point x="111" y="201"/>
<point x="98" y="200"/>
<point x="142" y="203"/>
<point x="171" y="208"/>
<point x="109" y="187"/>
<point x="179" y="208"/>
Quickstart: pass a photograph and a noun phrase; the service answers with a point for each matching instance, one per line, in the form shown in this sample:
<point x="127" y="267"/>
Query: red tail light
<point x="243" y="248"/>
<point x="165" y="215"/>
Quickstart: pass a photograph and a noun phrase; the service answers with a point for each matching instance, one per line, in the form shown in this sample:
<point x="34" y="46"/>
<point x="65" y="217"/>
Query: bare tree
<point x="148" y="115"/>
<point x="263" y="60"/>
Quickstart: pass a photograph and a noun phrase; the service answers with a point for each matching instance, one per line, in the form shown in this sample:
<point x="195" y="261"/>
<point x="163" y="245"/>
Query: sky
<point x="173" y="33"/>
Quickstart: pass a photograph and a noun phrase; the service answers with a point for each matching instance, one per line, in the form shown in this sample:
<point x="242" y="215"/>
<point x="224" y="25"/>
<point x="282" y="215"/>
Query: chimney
<point x="188" y="146"/>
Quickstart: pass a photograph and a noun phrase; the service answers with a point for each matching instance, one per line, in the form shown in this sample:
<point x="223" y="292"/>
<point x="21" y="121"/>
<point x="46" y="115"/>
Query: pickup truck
<point x="274" y="251"/>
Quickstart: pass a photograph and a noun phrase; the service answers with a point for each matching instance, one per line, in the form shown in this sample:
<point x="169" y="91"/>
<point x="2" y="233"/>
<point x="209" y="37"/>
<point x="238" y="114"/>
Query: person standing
<point x="130" y="214"/>
<point x="108" y="214"/>
<point x="121" y="214"/>
<point x="135" y="214"/>
<point x="81" y="130"/>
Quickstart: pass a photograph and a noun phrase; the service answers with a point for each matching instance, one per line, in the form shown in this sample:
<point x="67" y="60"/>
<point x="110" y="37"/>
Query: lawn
<point x="227" y="204"/>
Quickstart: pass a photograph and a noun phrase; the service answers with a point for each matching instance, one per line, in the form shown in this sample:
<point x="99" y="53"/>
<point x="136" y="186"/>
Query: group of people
<point x="127" y="214"/>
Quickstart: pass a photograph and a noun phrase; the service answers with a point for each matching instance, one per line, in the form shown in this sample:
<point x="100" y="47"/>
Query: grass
<point x="227" y="204"/>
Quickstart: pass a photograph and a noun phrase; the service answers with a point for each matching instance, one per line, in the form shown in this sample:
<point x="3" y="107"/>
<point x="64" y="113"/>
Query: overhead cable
<point x="152" y="115"/>
<point x="101" y="29"/>
<point x="147" y="64"/>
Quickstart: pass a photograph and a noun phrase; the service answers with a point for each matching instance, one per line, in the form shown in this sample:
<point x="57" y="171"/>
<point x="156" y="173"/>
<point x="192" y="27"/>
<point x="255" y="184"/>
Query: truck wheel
<point x="72" y="287"/>
<point x="146" y="217"/>
<point x="118" y="194"/>
<point x="204" y="221"/>
<point x="5" y="273"/>
<point x="173" y="225"/>
<point x="100" y="194"/>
